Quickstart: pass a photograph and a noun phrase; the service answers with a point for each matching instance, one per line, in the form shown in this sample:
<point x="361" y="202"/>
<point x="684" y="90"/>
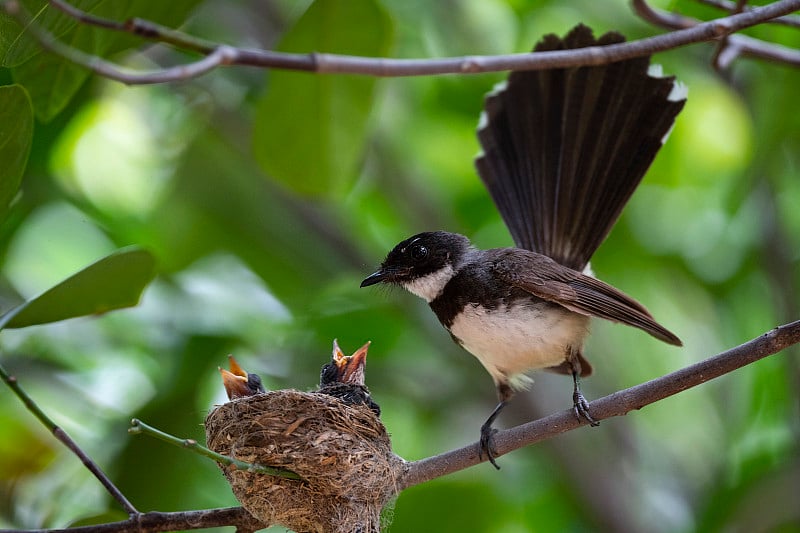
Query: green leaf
<point x="53" y="81"/>
<point x="310" y="128"/>
<point x="16" y="134"/>
<point x="114" y="282"/>
<point x="18" y="46"/>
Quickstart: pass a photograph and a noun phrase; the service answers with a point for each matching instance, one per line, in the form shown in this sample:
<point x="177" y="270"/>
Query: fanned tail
<point x="564" y="149"/>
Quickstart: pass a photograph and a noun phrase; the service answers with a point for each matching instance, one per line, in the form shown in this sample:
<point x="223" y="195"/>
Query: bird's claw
<point x="486" y="445"/>
<point x="581" y="409"/>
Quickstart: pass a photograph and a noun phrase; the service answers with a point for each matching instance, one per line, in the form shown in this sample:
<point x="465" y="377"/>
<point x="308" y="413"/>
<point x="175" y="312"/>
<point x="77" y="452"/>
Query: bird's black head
<point x="420" y="256"/>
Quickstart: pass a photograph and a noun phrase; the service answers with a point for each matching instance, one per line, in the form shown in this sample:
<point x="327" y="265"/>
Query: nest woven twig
<point x="341" y="452"/>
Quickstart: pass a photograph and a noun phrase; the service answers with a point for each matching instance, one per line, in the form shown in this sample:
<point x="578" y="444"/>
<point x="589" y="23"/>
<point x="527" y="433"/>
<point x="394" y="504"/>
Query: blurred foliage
<point x="267" y="196"/>
<point x="16" y="132"/>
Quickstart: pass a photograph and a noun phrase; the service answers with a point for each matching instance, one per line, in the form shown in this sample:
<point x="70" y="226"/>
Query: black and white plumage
<point x="563" y="151"/>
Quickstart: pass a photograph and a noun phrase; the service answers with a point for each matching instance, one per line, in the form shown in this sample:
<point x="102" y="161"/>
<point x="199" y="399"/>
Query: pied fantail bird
<point x="563" y="151"/>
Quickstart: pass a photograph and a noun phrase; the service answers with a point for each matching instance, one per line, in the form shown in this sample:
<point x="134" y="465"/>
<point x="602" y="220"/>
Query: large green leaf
<point x="310" y="128"/>
<point x="53" y="81"/>
<point x="16" y="133"/>
<point x="114" y="282"/>
<point x="18" y="46"/>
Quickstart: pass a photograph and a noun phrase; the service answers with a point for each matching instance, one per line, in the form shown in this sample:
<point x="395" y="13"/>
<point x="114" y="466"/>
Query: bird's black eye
<point x="418" y="251"/>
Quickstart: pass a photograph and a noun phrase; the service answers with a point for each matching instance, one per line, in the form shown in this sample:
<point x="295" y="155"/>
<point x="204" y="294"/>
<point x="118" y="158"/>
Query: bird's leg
<point x="504" y="394"/>
<point x="580" y="405"/>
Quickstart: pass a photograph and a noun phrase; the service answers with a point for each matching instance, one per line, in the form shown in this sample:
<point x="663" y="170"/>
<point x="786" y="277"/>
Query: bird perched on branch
<point x="238" y="383"/>
<point x="563" y="151"/>
<point x="343" y="378"/>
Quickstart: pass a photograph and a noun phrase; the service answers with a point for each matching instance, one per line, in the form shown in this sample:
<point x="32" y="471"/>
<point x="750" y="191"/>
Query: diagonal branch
<point x="223" y="55"/>
<point x="67" y="441"/>
<point x="617" y="404"/>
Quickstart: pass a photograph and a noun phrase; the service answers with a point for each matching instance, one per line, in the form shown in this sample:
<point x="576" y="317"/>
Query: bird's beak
<point x="235" y="368"/>
<point x="376" y="277"/>
<point x="338" y="356"/>
<point x="355" y="368"/>
<point x="236" y="381"/>
<point x="235" y="385"/>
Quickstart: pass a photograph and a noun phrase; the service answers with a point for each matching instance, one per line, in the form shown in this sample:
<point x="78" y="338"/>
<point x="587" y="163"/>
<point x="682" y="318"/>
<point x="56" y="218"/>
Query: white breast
<point x="509" y="341"/>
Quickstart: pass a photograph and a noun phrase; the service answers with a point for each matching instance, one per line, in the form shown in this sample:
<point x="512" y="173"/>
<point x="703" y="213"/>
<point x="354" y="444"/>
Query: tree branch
<point x="140" y="27"/>
<point x="732" y="7"/>
<point x="735" y="46"/>
<point x="223" y="55"/>
<point x="67" y="441"/>
<point x="617" y="404"/>
<point x="178" y="521"/>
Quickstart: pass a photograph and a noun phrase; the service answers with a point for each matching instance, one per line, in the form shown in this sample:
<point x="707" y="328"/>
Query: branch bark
<point x="223" y="55"/>
<point x="617" y="404"/>
<point x="154" y="522"/>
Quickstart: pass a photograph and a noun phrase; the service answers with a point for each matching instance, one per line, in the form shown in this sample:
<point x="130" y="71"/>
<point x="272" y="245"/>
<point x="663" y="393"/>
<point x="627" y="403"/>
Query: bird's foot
<point x="486" y="444"/>
<point x="581" y="409"/>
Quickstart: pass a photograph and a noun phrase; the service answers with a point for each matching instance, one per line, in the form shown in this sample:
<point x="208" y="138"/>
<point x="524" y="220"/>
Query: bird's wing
<point x="564" y="149"/>
<point x="544" y="278"/>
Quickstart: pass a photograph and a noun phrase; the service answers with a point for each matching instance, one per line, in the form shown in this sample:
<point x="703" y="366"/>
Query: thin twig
<point x="140" y="27"/>
<point x="742" y="45"/>
<point x="344" y="64"/>
<point x="617" y="404"/>
<point x="730" y="7"/>
<point x="727" y="50"/>
<point x="65" y="439"/>
<point x="138" y="427"/>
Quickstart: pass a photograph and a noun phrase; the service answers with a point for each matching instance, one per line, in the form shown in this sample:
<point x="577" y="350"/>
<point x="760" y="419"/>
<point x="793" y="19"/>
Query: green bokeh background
<point x="267" y="196"/>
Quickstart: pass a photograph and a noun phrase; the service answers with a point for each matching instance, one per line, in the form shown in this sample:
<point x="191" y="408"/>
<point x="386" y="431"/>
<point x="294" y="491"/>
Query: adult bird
<point x="563" y="151"/>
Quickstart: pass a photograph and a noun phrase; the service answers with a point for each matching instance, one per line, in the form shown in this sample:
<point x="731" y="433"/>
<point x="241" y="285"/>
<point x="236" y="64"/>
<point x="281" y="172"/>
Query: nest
<point x="342" y="453"/>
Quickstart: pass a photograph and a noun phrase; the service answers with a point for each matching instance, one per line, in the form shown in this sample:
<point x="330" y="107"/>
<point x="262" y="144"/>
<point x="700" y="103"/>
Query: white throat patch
<point x="430" y="286"/>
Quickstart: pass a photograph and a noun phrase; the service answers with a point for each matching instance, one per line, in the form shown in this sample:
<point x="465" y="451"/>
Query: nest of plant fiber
<point x="342" y="453"/>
